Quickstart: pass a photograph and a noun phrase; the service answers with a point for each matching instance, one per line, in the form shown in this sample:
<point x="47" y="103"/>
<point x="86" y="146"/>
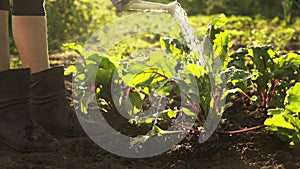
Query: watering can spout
<point x="145" y="5"/>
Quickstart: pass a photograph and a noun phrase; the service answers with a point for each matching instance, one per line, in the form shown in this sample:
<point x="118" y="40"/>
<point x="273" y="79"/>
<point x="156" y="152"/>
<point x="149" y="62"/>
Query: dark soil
<point x="254" y="149"/>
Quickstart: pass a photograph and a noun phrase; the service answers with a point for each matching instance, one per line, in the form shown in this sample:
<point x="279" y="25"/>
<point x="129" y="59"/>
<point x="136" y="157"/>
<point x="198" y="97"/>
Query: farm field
<point x="262" y="60"/>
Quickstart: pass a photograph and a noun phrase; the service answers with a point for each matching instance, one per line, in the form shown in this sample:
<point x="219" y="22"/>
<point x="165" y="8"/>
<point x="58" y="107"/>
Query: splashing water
<point x="193" y="42"/>
<point x="187" y="32"/>
<point x="190" y="39"/>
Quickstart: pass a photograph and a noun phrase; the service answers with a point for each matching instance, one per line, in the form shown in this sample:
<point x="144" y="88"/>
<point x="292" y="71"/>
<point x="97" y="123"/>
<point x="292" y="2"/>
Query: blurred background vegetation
<point x="264" y="8"/>
<point x="249" y="20"/>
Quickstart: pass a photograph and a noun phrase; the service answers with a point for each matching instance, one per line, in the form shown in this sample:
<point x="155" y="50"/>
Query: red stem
<point x="263" y="99"/>
<point x="160" y="74"/>
<point x="127" y="93"/>
<point x="195" y="131"/>
<point x="272" y="89"/>
<point x="223" y="86"/>
<point x="275" y="83"/>
<point x="242" y="130"/>
<point x="191" y="129"/>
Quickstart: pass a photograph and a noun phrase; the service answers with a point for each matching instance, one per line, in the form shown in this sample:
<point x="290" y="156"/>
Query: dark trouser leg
<point x="4" y="35"/>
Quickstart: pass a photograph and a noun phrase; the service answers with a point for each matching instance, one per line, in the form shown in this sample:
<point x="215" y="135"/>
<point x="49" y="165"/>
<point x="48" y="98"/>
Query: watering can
<point x="144" y="5"/>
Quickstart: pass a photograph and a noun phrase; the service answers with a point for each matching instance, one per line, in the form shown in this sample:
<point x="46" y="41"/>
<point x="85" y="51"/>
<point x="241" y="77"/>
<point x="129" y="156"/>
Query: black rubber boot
<point x="17" y="129"/>
<point x="49" y="105"/>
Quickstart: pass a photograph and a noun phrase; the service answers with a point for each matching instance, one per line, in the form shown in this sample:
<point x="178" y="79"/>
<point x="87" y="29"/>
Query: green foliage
<point x="272" y="74"/>
<point x="174" y="81"/>
<point x="244" y="30"/>
<point x="70" y="20"/>
<point x="133" y="85"/>
<point x="286" y="121"/>
<point x="266" y="8"/>
<point x="77" y="20"/>
<point x="287" y="9"/>
<point x="260" y="32"/>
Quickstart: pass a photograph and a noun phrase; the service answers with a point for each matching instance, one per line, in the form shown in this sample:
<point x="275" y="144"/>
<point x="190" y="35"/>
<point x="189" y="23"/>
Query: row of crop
<point x="70" y="21"/>
<point x="159" y="88"/>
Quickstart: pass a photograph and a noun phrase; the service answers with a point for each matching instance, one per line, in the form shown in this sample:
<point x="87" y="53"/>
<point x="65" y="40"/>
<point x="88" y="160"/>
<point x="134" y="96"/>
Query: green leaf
<point x="293" y="99"/>
<point x="172" y="45"/>
<point x="159" y="61"/>
<point x="188" y="112"/>
<point x="285" y="134"/>
<point x="136" y="100"/>
<point x="149" y="120"/>
<point x="96" y="57"/>
<point x="221" y="44"/>
<point x="215" y="28"/>
<point x="70" y="69"/>
<point x="80" y="77"/>
<point x="219" y="21"/>
<point x="73" y="46"/>
<point x="146" y="90"/>
<point x="165" y="90"/>
<point x="197" y="70"/>
<point x="289" y="59"/>
<point x="107" y="64"/>
<point x="293" y="58"/>
<point x="103" y="77"/>
<point x="233" y="73"/>
<point x="158" y="130"/>
<point x="275" y="111"/>
<point x="139" y="140"/>
<point x="286" y="121"/>
<point x="295" y="143"/>
<point x="233" y="91"/>
<point x="254" y="98"/>
<point x="278" y="121"/>
<point x="138" y="121"/>
<point x="142" y="79"/>
<point x="260" y="56"/>
<point x="239" y="59"/>
<point x="293" y="119"/>
<point x="172" y="114"/>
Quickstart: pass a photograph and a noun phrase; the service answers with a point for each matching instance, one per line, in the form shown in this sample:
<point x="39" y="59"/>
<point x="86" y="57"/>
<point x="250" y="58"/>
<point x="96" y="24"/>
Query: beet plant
<point x="286" y="121"/>
<point x="159" y="88"/>
<point x="272" y="74"/>
<point x="155" y="89"/>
